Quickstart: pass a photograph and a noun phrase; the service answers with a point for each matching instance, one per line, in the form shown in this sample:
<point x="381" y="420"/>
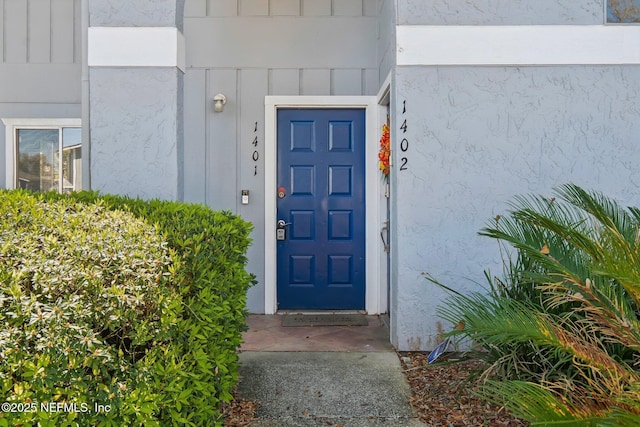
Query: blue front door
<point x="321" y="209"/>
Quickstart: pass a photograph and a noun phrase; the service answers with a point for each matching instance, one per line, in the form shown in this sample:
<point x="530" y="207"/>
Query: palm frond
<point x="540" y="406"/>
<point x="490" y="322"/>
<point x="606" y="210"/>
<point x="604" y="304"/>
<point x="566" y="314"/>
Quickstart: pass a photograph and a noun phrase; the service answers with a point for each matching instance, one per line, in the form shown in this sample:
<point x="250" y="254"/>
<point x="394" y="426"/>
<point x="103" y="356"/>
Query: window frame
<point x="13" y="125"/>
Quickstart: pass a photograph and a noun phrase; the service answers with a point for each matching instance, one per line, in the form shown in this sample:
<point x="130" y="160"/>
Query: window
<point x="623" y="11"/>
<point x="44" y="155"/>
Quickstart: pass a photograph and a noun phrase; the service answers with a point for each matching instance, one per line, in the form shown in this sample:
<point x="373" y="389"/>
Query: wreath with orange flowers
<point x="385" y="151"/>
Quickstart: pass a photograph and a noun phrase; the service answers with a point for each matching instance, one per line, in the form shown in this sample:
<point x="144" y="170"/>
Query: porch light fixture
<point x="218" y="102"/>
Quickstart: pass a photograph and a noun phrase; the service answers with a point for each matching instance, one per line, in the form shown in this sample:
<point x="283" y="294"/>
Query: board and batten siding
<point x="249" y="49"/>
<point x="40" y="61"/>
<point x="40" y="43"/>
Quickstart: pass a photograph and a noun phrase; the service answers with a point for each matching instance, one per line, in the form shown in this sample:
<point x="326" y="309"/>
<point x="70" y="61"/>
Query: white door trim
<point x="375" y="301"/>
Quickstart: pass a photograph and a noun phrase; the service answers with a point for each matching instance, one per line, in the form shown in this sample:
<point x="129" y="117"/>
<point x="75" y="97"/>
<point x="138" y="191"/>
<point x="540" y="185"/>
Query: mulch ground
<point x="442" y="396"/>
<point x="239" y="413"/>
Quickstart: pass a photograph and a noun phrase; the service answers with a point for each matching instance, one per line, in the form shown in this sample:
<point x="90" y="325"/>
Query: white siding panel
<point x="221" y="155"/>
<point x="78" y="32"/>
<point x="62" y="31"/>
<point x="285" y="7"/>
<point x="254" y="7"/>
<point x="347" y="7"/>
<point x="59" y="83"/>
<point x="36" y="110"/>
<point x="39" y="31"/>
<point x="316" y="7"/>
<point x="195" y="8"/>
<point x="15" y="31"/>
<point x="223" y="7"/>
<point x="195" y="134"/>
<point x="2" y="30"/>
<point x="346" y="82"/>
<point x="282" y="42"/>
<point x="371" y="81"/>
<point x="316" y="82"/>
<point x="370" y="7"/>
<point x="252" y="92"/>
<point x="254" y="87"/>
<point x="284" y="82"/>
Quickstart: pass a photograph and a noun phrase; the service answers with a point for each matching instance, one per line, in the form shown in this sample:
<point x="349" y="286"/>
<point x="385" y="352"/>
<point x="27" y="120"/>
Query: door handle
<point x="281" y="231"/>
<point x="385" y="230"/>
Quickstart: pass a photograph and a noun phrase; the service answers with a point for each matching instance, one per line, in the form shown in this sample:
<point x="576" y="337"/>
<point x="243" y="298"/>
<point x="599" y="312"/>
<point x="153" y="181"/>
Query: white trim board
<point x="375" y="293"/>
<point x="136" y="47"/>
<point x="517" y="45"/>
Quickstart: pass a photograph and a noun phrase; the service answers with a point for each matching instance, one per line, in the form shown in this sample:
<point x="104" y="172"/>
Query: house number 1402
<point x="404" y="143"/>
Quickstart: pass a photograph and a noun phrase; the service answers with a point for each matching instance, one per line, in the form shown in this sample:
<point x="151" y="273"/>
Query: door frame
<point x="375" y="293"/>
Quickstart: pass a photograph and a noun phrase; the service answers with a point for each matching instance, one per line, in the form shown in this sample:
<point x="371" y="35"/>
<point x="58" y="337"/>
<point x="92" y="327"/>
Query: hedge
<point x="191" y="367"/>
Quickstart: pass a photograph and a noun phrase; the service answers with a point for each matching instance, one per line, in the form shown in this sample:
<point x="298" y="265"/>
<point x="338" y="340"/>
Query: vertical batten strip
<point x="4" y="26"/>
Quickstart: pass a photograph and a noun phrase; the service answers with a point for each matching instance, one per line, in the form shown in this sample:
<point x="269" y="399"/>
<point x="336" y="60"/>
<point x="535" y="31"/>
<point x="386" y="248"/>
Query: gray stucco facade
<point x="504" y="131"/>
<point x="136" y="112"/>
<point x="481" y="135"/>
<point x="476" y="134"/>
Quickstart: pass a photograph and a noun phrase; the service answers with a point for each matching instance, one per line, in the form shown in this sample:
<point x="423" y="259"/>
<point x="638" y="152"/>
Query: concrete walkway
<point x="330" y="386"/>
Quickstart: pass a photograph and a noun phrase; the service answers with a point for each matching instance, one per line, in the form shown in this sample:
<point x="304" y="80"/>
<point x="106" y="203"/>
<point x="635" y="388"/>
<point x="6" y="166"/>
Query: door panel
<point x="321" y="262"/>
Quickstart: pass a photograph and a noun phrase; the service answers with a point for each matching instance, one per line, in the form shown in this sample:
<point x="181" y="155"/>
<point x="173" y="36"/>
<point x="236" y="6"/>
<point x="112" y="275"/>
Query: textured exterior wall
<point x="135" y="134"/>
<point x="138" y="13"/>
<point x="248" y="49"/>
<point x="136" y="113"/>
<point x="479" y="136"/>
<point x="501" y="12"/>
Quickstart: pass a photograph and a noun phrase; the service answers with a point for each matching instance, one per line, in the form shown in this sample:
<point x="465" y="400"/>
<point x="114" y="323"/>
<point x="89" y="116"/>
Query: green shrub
<point x="196" y="370"/>
<point x="562" y="330"/>
<point x="135" y="305"/>
<point x="84" y="295"/>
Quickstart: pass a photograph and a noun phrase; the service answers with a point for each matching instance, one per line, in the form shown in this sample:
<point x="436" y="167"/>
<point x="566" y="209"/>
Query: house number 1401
<point x="255" y="156"/>
<point x="404" y="143"/>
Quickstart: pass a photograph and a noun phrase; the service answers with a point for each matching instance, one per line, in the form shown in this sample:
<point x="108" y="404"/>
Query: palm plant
<point x="561" y="330"/>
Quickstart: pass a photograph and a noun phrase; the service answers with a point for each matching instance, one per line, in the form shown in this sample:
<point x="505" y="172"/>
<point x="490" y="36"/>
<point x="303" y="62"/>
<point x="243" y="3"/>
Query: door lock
<point x="281" y="231"/>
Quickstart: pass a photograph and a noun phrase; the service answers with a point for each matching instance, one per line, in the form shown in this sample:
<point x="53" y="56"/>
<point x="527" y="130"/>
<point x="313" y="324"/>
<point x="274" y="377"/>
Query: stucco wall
<point x="138" y="13"/>
<point x="479" y="136"/>
<point x="134" y="130"/>
<point x="501" y="12"/>
<point x="136" y="112"/>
